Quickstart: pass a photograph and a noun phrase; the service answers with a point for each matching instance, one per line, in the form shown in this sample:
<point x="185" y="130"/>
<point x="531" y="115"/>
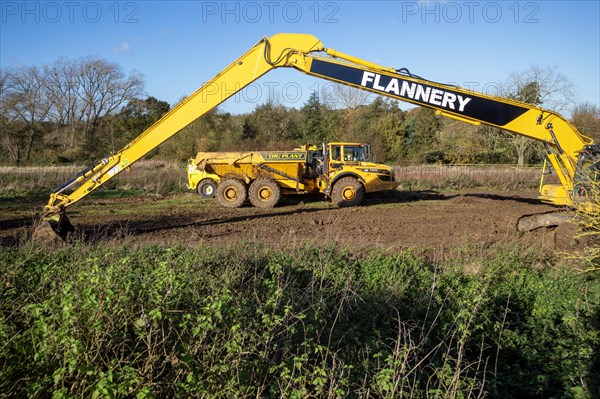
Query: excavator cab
<point x="587" y="176"/>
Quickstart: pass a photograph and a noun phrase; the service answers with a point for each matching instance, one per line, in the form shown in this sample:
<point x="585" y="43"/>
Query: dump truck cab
<point x="348" y="161"/>
<point x="350" y="152"/>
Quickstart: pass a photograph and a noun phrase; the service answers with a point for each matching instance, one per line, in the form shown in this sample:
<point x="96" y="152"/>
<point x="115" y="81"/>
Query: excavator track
<point x="538" y="220"/>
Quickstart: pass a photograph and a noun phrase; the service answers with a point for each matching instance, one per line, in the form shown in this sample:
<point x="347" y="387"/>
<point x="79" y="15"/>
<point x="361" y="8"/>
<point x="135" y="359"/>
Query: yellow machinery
<point x="201" y="181"/>
<point x="307" y="54"/>
<point x="342" y="171"/>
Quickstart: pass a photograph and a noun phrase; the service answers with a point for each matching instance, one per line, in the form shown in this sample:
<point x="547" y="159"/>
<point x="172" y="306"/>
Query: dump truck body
<point x="288" y="168"/>
<point x="306" y="169"/>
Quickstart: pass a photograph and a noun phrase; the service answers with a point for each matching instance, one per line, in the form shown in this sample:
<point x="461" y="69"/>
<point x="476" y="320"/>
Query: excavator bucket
<point x="53" y="229"/>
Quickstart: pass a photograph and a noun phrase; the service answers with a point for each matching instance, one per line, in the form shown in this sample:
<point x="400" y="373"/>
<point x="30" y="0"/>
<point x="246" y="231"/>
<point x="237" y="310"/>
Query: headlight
<point x="377" y="171"/>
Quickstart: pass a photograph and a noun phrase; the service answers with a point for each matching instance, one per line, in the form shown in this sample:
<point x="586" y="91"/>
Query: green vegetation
<point x="110" y="320"/>
<point x="40" y="124"/>
<point x="33" y="184"/>
<point x="453" y="177"/>
<point x="149" y="176"/>
<point x="587" y="217"/>
<point x="122" y="321"/>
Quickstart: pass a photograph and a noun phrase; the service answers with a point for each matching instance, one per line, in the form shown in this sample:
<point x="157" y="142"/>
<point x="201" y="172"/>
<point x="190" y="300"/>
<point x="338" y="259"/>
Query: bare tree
<point x="541" y="86"/>
<point x="586" y="117"/>
<point x="85" y="91"/>
<point x="102" y="89"/>
<point x="26" y="99"/>
<point x="66" y="112"/>
<point x="76" y="97"/>
<point x="556" y="91"/>
<point x="8" y="137"/>
<point x="336" y="95"/>
<point x="346" y="98"/>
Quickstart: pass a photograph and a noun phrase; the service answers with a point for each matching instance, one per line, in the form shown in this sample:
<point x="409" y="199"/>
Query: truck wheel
<point x="264" y="193"/>
<point x="231" y="193"/>
<point x="348" y="191"/>
<point x="207" y="188"/>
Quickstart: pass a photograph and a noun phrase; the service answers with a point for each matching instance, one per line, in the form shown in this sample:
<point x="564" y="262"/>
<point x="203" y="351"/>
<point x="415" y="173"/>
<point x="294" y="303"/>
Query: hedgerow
<point x="156" y="321"/>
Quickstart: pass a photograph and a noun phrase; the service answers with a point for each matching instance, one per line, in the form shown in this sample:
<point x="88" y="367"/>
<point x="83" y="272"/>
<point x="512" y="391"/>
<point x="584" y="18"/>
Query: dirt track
<point x="427" y="220"/>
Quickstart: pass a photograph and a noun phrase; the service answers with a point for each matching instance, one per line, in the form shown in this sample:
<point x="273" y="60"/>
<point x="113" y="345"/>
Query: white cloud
<point x="123" y="48"/>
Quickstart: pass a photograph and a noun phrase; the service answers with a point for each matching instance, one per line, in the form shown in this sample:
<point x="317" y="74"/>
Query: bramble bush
<point x="110" y="321"/>
<point x="587" y="217"/>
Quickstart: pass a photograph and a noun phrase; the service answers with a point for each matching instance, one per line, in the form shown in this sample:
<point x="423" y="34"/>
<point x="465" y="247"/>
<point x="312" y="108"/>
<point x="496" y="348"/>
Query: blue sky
<point x="178" y="45"/>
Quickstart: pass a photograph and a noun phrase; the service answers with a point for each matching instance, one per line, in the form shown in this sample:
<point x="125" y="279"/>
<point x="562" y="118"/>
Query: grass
<point x="163" y="321"/>
<point x="468" y="176"/>
<point x="150" y="176"/>
<point x="161" y="177"/>
<point x="112" y="319"/>
<point x="117" y="193"/>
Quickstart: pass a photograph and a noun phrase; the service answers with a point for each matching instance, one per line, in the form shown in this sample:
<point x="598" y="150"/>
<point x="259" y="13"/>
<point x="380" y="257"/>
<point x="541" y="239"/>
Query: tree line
<point x="64" y="111"/>
<point x="83" y="109"/>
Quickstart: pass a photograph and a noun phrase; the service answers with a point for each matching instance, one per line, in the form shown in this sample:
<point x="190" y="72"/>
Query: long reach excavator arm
<point x="307" y="54"/>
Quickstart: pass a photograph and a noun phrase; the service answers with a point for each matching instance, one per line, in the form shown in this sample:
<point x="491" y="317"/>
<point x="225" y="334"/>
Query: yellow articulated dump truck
<point x="343" y="172"/>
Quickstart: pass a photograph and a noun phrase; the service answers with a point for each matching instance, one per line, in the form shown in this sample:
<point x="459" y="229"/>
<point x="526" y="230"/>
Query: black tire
<point x="207" y="188"/>
<point x="348" y="191"/>
<point x="232" y="193"/>
<point x="264" y="193"/>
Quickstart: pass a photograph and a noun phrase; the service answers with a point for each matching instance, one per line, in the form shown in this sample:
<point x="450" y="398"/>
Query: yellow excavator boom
<point x="260" y="59"/>
<point x="307" y="54"/>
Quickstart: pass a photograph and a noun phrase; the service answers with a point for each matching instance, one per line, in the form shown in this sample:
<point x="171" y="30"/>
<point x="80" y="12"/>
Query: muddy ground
<point x="395" y="220"/>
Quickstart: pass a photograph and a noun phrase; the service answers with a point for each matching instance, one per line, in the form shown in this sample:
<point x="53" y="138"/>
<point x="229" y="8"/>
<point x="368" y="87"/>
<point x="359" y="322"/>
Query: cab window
<point x="354" y="154"/>
<point x="336" y="153"/>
